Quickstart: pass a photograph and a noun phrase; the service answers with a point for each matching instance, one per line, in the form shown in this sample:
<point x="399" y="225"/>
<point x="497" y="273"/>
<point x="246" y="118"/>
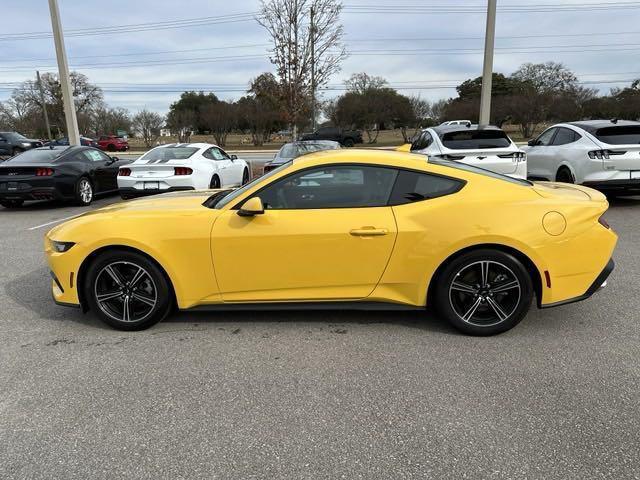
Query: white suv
<point x="602" y="154"/>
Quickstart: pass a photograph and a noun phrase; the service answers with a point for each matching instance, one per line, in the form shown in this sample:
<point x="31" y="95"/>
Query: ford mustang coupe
<point x="341" y="229"/>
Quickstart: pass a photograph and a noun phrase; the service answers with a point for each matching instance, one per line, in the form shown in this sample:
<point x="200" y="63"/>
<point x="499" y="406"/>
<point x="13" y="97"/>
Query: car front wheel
<point x="484" y="292"/>
<point x="127" y="290"/>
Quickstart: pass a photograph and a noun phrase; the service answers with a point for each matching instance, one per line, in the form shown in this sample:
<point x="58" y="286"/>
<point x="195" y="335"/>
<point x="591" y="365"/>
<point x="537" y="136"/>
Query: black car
<point x="346" y="138"/>
<point x="12" y="143"/>
<point x="58" y="173"/>
<point x="64" y="141"/>
<point x="292" y="150"/>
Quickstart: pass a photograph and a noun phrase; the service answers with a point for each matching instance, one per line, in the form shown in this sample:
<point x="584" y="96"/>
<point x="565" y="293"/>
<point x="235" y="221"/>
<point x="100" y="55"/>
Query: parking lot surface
<point x="314" y="395"/>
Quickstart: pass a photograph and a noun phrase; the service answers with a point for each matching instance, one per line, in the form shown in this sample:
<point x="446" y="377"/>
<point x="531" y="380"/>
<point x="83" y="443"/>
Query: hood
<point x="567" y="191"/>
<point x="160" y="208"/>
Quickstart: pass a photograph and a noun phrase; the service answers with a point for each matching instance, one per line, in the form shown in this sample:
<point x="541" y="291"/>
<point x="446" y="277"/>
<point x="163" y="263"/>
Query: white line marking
<point x="54" y="221"/>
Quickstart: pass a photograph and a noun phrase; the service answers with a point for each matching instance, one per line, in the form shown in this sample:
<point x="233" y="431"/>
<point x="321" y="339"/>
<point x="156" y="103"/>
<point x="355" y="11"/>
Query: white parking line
<point x="54" y="221"/>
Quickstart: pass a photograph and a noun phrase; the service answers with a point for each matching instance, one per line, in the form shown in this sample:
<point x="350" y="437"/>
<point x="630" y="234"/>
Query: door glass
<point x="331" y="187"/>
<point x="545" y="139"/>
<point x="564" y="137"/>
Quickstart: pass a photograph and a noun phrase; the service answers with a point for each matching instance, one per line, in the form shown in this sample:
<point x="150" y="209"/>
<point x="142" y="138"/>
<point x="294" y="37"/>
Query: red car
<point x="112" y="143"/>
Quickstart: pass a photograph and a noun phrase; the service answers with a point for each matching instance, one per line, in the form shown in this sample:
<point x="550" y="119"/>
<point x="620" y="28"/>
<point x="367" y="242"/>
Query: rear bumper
<point x="130" y="192"/>
<point x="629" y="186"/>
<point x="26" y="191"/>
<point x="597" y="284"/>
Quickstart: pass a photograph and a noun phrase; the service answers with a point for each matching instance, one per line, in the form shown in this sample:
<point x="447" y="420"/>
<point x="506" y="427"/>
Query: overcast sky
<point x="427" y="50"/>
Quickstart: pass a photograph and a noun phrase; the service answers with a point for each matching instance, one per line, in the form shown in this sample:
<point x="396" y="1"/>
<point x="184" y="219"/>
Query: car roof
<point x="592" y="126"/>
<point x="192" y="145"/>
<point x="443" y="129"/>
<point x="362" y="155"/>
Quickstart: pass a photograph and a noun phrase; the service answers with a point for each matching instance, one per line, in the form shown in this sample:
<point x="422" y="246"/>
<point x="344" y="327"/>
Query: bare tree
<point x="363" y="82"/>
<point x="289" y="24"/>
<point x="147" y="124"/>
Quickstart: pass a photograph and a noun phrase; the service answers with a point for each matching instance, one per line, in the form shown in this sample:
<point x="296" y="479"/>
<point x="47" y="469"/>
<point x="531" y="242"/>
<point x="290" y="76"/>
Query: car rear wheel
<point x="127" y="290"/>
<point x="11" y="203"/>
<point x="245" y="176"/>
<point x="349" y="143"/>
<point x="484" y="292"/>
<point x="84" y="192"/>
<point x="111" y="147"/>
<point x="564" y="175"/>
<point x="215" y="182"/>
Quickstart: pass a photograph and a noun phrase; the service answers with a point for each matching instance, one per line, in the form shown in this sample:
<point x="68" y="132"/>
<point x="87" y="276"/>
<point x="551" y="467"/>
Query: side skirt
<point x="279" y="306"/>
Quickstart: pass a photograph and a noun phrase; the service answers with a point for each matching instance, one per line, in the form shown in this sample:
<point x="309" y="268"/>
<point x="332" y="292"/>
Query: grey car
<point x="12" y="143"/>
<point x="292" y="150"/>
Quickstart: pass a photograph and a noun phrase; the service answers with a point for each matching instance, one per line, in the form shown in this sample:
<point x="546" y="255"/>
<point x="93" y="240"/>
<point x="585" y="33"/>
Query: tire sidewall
<point x="446" y="276"/>
<point x="165" y="298"/>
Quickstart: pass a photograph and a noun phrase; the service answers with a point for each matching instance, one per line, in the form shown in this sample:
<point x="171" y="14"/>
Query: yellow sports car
<point x="356" y="229"/>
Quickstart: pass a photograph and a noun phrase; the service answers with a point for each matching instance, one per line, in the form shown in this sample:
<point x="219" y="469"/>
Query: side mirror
<point x="234" y="157"/>
<point x="113" y="160"/>
<point x="251" y="207"/>
<point x="532" y="143"/>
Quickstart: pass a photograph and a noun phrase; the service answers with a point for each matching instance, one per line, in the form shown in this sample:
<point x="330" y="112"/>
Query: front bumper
<point x="597" y="284"/>
<point x="130" y="192"/>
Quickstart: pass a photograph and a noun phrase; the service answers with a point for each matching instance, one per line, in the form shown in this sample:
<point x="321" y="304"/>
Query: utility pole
<point x="487" y="73"/>
<point x="313" y="71"/>
<point x="73" y="134"/>
<point x="44" y="106"/>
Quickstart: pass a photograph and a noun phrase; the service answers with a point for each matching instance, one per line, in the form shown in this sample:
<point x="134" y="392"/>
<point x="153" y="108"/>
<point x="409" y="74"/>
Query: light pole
<point x="73" y="134"/>
<point x="487" y="72"/>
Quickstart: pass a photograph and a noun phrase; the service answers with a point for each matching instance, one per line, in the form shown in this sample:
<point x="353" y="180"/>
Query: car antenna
<point x="614" y="120"/>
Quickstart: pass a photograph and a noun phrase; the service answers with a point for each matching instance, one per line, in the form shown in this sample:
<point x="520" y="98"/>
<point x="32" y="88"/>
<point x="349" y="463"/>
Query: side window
<point x="414" y="187"/>
<point x="214" y="154"/>
<point x="545" y="139"/>
<point x="222" y="153"/>
<point x="344" y="186"/>
<point x="565" y="136"/>
<point x="94" y="156"/>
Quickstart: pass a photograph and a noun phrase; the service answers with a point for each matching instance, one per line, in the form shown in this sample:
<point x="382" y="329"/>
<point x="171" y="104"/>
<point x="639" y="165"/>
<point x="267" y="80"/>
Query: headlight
<point x="61" y="247"/>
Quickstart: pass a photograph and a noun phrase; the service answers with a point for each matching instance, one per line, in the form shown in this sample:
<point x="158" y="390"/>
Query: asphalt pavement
<point x="326" y="395"/>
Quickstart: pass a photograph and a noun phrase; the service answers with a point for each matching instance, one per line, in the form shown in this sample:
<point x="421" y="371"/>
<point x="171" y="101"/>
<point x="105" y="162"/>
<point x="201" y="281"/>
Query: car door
<point x="564" y="148"/>
<point x="541" y="156"/>
<point x="102" y="169"/>
<point x="223" y="165"/>
<point x="326" y="234"/>
<point x="235" y="168"/>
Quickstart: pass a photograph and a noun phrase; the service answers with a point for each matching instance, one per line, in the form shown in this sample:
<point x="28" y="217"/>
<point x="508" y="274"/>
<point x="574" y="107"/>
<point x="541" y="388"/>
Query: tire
<point x="245" y="176"/>
<point x="11" y="203"/>
<point x="215" y="182"/>
<point x="120" y="281"/>
<point x="348" y="142"/>
<point x="83" y="192"/>
<point x="564" y="175"/>
<point x="474" y="306"/>
<point x="111" y="147"/>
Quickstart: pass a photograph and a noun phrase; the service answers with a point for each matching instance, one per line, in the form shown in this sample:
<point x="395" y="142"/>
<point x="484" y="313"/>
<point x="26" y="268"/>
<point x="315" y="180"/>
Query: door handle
<point x="369" y="232"/>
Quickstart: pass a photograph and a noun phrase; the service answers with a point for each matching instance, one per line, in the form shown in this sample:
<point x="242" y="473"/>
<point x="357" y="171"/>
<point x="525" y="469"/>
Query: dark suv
<point x="12" y="143"/>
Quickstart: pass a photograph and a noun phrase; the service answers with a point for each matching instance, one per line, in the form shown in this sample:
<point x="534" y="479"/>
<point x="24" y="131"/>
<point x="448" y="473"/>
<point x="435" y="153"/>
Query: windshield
<point x="622" y="135"/>
<point x="475" y="139"/>
<point x="169" y="153"/>
<point x="232" y="195"/>
<point x="15" y="136"/>
<point x="478" y="170"/>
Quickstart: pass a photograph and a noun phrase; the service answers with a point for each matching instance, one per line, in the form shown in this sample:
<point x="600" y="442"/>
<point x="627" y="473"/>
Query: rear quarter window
<point x="415" y="186"/>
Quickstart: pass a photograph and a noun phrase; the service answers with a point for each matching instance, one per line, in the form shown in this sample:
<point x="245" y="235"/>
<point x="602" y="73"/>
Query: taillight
<point x="44" y="172"/>
<point x="599" y="154"/>
<point x="604" y="223"/>
<point x="124" y="172"/>
<point x="182" y="171"/>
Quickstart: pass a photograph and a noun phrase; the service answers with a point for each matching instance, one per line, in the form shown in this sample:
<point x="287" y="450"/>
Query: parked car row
<point x="13" y="143"/>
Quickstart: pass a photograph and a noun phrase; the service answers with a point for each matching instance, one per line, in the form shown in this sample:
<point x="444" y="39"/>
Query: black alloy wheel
<point x="564" y="175"/>
<point x="245" y="176"/>
<point x="215" y="182"/>
<point x="484" y="292"/>
<point x="349" y="143"/>
<point x="128" y="291"/>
